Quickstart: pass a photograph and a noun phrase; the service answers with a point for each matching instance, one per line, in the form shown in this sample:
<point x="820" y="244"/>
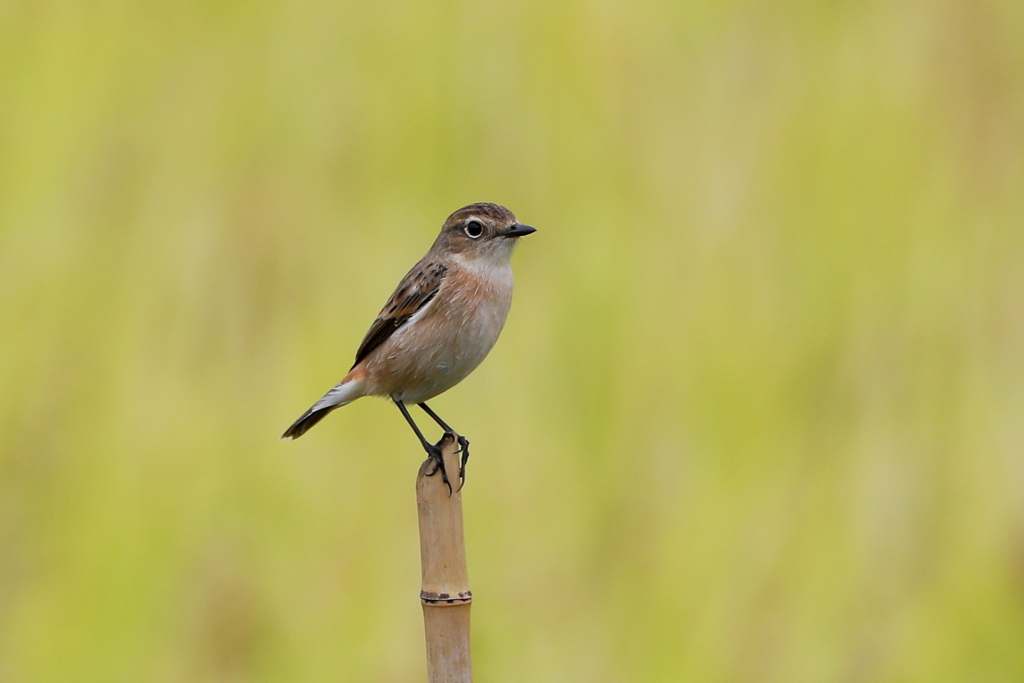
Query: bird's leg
<point x="463" y="442"/>
<point x="433" y="451"/>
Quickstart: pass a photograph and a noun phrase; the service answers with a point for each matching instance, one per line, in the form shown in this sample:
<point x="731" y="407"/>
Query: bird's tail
<point x="343" y="394"/>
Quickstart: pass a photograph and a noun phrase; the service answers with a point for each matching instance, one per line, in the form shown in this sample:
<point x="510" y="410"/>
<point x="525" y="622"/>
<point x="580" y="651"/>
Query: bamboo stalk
<point x="445" y="591"/>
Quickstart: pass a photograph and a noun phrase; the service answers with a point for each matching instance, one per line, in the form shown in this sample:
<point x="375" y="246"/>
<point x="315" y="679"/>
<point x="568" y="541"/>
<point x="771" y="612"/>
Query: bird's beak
<point x="518" y="230"/>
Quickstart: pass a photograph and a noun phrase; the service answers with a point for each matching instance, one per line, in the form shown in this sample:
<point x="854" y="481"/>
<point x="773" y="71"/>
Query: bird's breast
<point x="438" y="348"/>
<point x="469" y="315"/>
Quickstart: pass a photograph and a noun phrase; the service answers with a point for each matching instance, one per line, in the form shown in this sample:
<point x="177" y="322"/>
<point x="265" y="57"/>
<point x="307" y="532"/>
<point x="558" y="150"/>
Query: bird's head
<point x="482" y="233"/>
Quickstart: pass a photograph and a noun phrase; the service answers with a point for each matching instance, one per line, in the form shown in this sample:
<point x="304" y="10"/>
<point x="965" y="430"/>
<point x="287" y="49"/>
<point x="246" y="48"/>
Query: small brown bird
<point x="438" y="326"/>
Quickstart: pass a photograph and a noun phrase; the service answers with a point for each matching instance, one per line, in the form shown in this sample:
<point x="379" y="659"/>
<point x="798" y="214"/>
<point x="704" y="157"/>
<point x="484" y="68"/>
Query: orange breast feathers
<point x="445" y="341"/>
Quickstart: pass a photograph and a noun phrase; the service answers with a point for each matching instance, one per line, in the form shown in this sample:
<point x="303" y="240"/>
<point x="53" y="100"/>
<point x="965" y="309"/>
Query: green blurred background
<point x="757" y="414"/>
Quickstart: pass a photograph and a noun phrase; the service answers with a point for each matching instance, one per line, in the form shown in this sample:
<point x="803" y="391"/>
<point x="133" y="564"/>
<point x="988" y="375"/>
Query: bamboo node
<point x="445" y="599"/>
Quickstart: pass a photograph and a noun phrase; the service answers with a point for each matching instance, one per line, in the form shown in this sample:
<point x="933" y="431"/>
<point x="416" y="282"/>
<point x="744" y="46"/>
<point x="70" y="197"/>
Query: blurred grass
<point x="756" y="416"/>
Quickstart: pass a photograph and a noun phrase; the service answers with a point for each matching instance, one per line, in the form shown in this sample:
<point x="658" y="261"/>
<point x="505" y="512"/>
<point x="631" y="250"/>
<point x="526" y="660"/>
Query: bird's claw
<point x="464" y="450"/>
<point x="436" y="454"/>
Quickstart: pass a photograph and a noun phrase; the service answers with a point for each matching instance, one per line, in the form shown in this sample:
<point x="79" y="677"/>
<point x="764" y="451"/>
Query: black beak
<point x="518" y="230"/>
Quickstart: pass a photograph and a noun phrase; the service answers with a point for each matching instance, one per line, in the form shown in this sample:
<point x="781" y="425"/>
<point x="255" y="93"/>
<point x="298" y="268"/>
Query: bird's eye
<point x="474" y="229"/>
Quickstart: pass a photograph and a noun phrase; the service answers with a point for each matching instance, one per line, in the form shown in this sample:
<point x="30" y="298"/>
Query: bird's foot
<point x="464" y="450"/>
<point x="435" y="453"/>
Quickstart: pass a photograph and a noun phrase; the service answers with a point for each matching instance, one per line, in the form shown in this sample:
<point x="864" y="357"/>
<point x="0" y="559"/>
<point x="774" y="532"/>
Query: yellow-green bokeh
<point x="757" y="415"/>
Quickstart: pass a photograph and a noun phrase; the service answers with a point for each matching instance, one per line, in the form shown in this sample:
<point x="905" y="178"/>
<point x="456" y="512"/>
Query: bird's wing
<point x="416" y="290"/>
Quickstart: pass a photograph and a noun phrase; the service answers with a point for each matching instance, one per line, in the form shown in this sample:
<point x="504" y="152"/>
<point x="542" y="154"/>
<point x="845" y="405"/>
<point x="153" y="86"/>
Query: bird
<point x="439" y="324"/>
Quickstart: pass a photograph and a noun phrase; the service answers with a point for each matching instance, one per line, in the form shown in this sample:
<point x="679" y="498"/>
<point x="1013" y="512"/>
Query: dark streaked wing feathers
<point x="415" y="291"/>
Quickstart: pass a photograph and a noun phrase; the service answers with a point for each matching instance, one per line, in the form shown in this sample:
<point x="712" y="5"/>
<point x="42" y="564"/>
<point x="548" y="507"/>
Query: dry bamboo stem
<point x="445" y="591"/>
